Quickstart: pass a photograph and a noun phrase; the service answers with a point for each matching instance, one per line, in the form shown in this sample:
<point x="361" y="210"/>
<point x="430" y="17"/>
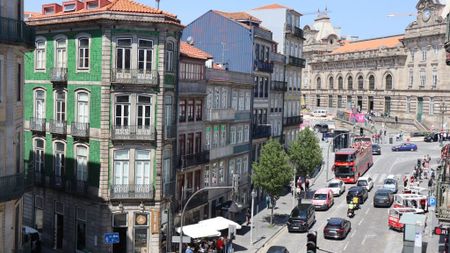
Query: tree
<point x="305" y="153"/>
<point x="272" y="172"/>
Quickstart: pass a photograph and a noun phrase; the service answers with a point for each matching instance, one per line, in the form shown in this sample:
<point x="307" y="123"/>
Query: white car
<point x="365" y="182"/>
<point x="337" y="186"/>
<point x="319" y="113"/>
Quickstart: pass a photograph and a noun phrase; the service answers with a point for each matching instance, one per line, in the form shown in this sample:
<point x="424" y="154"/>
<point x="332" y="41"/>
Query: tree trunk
<point x="271" y="215"/>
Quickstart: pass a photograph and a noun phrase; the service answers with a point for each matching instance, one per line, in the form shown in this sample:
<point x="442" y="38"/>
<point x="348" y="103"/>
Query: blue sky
<point x="363" y="18"/>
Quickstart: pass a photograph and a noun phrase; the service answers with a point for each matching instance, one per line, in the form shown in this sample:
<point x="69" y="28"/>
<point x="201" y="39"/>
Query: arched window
<point x="319" y="83"/>
<point x="371" y="82"/>
<point x="388" y="82"/>
<point x="82" y="107"/>
<point x="360" y="83"/>
<point x="39" y="156"/>
<point x="350" y="83"/>
<point x="340" y="83"/>
<point x="331" y="83"/>
<point x="81" y="153"/>
<point x="39" y="104"/>
<point x="61" y="53"/>
<point x="83" y="53"/>
<point x="169" y="56"/>
<point x="39" y="54"/>
<point x="59" y="150"/>
<point x="60" y="106"/>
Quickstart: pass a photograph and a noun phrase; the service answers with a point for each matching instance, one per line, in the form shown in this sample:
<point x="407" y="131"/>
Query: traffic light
<point x="311" y="244"/>
<point x="361" y="131"/>
<point x="441" y="231"/>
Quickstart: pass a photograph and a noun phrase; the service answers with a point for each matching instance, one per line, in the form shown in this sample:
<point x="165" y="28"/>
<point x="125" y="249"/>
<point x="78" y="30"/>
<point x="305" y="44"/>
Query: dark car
<point x="301" y="218"/>
<point x="321" y="128"/>
<point x="376" y="149"/>
<point x="432" y="137"/>
<point x="383" y="198"/>
<point x="277" y="249"/>
<point x="337" y="228"/>
<point x="360" y="192"/>
<point x="405" y="147"/>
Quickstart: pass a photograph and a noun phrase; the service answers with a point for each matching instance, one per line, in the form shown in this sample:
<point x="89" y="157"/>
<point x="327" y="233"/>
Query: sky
<point x="362" y="18"/>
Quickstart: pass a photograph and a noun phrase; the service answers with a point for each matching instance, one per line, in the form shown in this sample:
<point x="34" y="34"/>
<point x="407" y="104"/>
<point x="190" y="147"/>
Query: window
<point x="424" y="54"/>
<point x="246" y="133"/>
<point x="182" y="144"/>
<point x="435" y="78"/>
<point x="59" y="161"/>
<point x="92" y="5"/>
<point x="331" y="83"/>
<point x="198" y="142"/>
<point x="431" y="106"/>
<point x="142" y="167"/>
<point x="239" y="134"/>
<point x="168" y="105"/>
<point x="39" y="104"/>
<point x="190" y="144"/>
<point x="169" y="57"/>
<point x="122" y="115"/>
<point x="234" y="99"/>
<point x="318" y="83"/>
<point x="39" y="155"/>
<point x="198" y="110"/>
<point x="39" y="54"/>
<point x="208" y="138"/>
<point x="388" y="82"/>
<point x="82" y="109"/>
<point x="423" y="78"/>
<point x="248" y="98"/>
<point x="244" y="165"/>
<point x="38" y="213"/>
<point x="408" y="104"/>
<point x="83" y="53"/>
<point x="242" y="100"/>
<point x="81" y="229"/>
<point x="330" y="101"/>
<point x="19" y="82"/>
<point x="145" y="55"/>
<point x="411" y="78"/>
<point x="350" y="83"/>
<point x="81" y="163"/>
<point x="182" y="112"/>
<point x="61" y="53"/>
<point x="360" y="83"/>
<point x="340" y="83"/>
<point x="223" y="135"/>
<point x="121" y="167"/>
<point x="224" y="98"/>
<point x="339" y="101"/>
<point x="233" y="135"/>
<point x="371" y="82"/>
<point x="190" y="110"/>
<point x="69" y="7"/>
<point x="60" y="106"/>
<point x="206" y="179"/>
<point x="413" y="51"/>
<point x="230" y="170"/>
<point x="144" y="107"/>
<point x="216" y="102"/>
<point x="123" y="55"/>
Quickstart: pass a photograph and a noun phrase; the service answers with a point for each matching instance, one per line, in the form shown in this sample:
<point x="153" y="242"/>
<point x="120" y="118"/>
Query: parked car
<point x="337" y="186"/>
<point x="376" y="149"/>
<point x="383" y="198"/>
<point x="432" y="137"/>
<point x="302" y="217"/>
<point x="391" y="183"/>
<point x="277" y="249"/>
<point x="323" y="199"/>
<point x="32" y="237"/>
<point x="405" y="147"/>
<point x="358" y="191"/>
<point x="321" y="128"/>
<point x="366" y="182"/>
<point x="319" y="113"/>
<point x="337" y="228"/>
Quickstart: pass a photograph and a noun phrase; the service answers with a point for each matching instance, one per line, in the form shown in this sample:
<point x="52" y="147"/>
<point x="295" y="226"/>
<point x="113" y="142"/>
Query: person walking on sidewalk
<point x="306" y="185"/>
<point x="248" y="216"/>
<point x="405" y="181"/>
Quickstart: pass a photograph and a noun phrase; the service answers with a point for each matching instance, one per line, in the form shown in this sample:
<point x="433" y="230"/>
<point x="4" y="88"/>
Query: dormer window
<point x="69" y="7"/>
<point x="92" y="5"/>
<point x="49" y="10"/>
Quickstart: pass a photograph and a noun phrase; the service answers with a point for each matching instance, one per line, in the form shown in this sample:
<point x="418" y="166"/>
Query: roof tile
<point x="371" y="44"/>
<point x="271" y="6"/>
<point x="193" y="52"/>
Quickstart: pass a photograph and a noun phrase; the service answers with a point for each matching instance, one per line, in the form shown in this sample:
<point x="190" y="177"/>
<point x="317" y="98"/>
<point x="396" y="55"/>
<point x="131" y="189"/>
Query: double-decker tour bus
<point x="351" y="163"/>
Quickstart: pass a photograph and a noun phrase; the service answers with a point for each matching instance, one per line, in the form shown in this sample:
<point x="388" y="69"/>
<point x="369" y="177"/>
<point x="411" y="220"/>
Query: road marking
<point x="360" y="221"/>
<point x="374" y="177"/>
<point x="345" y="247"/>
<point x="367" y="211"/>
<point x="365" y="237"/>
<point x="353" y="233"/>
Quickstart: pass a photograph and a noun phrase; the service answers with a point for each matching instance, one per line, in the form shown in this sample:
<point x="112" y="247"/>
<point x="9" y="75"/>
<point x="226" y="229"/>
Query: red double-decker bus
<point x="352" y="163"/>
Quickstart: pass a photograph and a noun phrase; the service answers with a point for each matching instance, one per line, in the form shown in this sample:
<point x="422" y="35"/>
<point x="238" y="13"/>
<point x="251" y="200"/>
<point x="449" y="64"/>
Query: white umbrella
<point x="219" y="223"/>
<point x="198" y="231"/>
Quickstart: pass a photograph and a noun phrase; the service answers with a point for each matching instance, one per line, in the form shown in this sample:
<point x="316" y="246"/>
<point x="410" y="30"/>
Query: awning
<point x="198" y="231"/>
<point x="219" y="223"/>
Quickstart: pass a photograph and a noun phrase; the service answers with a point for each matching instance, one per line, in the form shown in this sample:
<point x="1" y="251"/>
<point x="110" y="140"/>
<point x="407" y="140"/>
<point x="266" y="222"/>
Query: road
<point x="369" y="226"/>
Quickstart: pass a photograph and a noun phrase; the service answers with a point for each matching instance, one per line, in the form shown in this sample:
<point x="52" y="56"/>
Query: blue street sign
<point x="432" y="201"/>
<point x="111" y="238"/>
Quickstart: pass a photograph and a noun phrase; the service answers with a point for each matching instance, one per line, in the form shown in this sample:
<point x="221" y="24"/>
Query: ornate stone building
<point x="401" y="75"/>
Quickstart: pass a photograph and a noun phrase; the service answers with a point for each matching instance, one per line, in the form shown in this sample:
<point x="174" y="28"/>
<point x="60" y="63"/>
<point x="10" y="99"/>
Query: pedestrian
<point x="220" y="244"/>
<point x="248" y="216"/>
<point x="189" y="249"/>
<point x="430" y="184"/>
<point x="411" y="179"/>
<point x="405" y="181"/>
<point x="307" y="185"/>
<point x="268" y="201"/>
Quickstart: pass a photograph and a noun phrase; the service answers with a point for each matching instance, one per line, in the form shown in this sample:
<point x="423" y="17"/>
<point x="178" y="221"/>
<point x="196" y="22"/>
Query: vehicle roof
<point x="276" y="249"/>
<point x="364" y="178"/>
<point x="303" y="205"/>
<point x="406" y="209"/>
<point x="411" y="196"/>
<point x="383" y="190"/>
<point x="335" y="221"/>
<point x="355" y="188"/>
<point x="323" y="190"/>
<point x="345" y="151"/>
<point x="390" y="177"/>
<point x="335" y="181"/>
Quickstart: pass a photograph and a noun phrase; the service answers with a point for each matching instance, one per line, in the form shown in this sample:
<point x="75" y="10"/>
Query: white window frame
<point x="434" y="82"/>
<point x="145" y="50"/>
<point x="43" y="106"/>
<point x="170" y="54"/>
<point x="423" y="78"/>
<point x="125" y="179"/>
<point x="63" y="63"/>
<point x="124" y="49"/>
<point x="61" y="166"/>
<point x="77" y="106"/>
<point x="41" y="161"/>
<point x="83" y="176"/>
<point x="123" y="105"/>
<point x="55" y="106"/>
<point x="79" y="60"/>
<point x="37" y="67"/>
<point x="146" y="175"/>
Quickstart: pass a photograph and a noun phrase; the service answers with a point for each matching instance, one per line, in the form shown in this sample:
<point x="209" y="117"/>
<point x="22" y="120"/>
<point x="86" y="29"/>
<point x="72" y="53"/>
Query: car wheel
<point x="412" y="149"/>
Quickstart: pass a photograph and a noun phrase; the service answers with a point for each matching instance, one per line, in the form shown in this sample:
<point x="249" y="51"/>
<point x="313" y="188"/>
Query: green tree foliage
<point x="272" y="172"/>
<point x="305" y="152"/>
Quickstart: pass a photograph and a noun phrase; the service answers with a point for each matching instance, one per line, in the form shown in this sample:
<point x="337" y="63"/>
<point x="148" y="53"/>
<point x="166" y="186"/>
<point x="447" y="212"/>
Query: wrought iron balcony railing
<point x="297" y="62"/>
<point x="144" y="133"/>
<point x="13" y="31"/>
<point x="292" y="121"/>
<point x="131" y="191"/>
<point x="261" y="131"/>
<point x="12" y="187"/>
<point x="194" y="159"/>
<point x="294" y="30"/>
<point x="279" y="85"/>
<point x="37" y="124"/>
<point x="80" y="129"/>
<point x="59" y="75"/>
<point x="58" y="126"/>
<point x="134" y="76"/>
<point x="263" y="66"/>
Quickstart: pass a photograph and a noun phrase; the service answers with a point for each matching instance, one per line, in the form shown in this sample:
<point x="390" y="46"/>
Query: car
<point x="337" y="186"/>
<point x="302" y="217"/>
<point x="405" y="147"/>
<point x="376" y="149"/>
<point x="337" y="228"/>
<point x="432" y="137"/>
<point x="358" y="191"/>
<point x="366" y="182"/>
<point x="323" y="199"/>
<point x="383" y="198"/>
<point x="319" y="113"/>
<point x="277" y="249"/>
<point x="321" y="128"/>
<point x="391" y="183"/>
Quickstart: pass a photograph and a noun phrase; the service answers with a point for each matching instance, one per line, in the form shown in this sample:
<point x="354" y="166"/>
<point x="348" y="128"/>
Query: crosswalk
<point x="378" y="178"/>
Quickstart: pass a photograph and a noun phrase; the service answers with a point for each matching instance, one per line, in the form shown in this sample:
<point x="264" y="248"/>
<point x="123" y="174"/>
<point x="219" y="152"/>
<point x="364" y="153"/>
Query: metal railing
<point x="131" y="191"/>
<point x="58" y="126"/>
<point x="261" y="131"/>
<point x="12" y="187"/>
<point x="134" y="76"/>
<point x="59" y="75"/>
<point x="279" y="85"/>
<point x="133" y="133"/>
<point x="298" y="62"/>
<point x="80" y="129"/>
<point x="194" y="159"/>
<point x="16" y="31"/>
<point x="294" y="30"/>
<point x="263" y="66"/>
<point x="39" y="178"/>
<point x="57" y="182"/>
<point x="37" y="124"/>
<point x="292" y="121"/>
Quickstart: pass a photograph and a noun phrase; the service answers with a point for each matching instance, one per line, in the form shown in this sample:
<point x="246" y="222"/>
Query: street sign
<point x="432" y="201"/>
<point x="111" y="238"/>
<point x="176" y="239"/>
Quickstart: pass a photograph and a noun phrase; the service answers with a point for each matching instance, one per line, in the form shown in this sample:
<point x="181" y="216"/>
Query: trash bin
<point x="391" y="140"/>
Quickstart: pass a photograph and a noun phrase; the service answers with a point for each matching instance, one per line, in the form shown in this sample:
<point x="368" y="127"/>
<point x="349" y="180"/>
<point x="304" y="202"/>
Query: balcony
<point x="80" y="129"/>
<point x="194" y="159"/>
<point x="15" y="32"/>
<point x="220" y="76"/>
<point x="134" y="76"/>
<point x="242" y="115"/>
<point x="12" y="187"/>
<point x="293" y="121"/>
<point x="59" y="75"/>
<point x="143" y="133"/>
<point x="58" y="126"/>
<point x="219" y="152"/>
<point x="220" y="114"/>
<point x="263" y="66"/>
<point x="279" y="86"/>
<point x="297" y="62"/>
<point x="294" y="30"/>
<point x="37" y="124"/>
<point x="192" y="88"/>
<point x="131" y="191"/>
<point x="242" y="148"/>
<point x="261" y="131"/>
<point x="170" y="132"/>
<point x="200" y="198"/>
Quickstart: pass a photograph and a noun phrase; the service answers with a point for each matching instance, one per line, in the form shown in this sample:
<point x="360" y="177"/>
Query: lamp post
<point x="443" y="109"/>
<point x="328" y="153"/>
<point x="251" y="219"/>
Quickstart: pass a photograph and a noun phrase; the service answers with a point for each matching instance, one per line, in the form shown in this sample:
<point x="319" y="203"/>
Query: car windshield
<point x="320" y="196"/>
<point x="389" y="181"/>
<point x="362" y="183"/>
<point x="375" y="146"/>
<point x="382" y="194"/>
<point x="334" y="223"/>
<point x="298" y="213"/>
<point x="343" y="158"/>
<point x="333" y="185"/>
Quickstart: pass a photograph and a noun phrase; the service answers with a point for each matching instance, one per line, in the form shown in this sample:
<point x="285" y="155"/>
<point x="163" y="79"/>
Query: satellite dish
<point x="190" y="40"/>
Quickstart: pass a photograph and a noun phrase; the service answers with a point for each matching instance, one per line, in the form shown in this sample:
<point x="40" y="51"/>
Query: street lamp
<point x="443" y="109"/>
<point x="251" y="219"/>
<point x="328" y="153"/>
